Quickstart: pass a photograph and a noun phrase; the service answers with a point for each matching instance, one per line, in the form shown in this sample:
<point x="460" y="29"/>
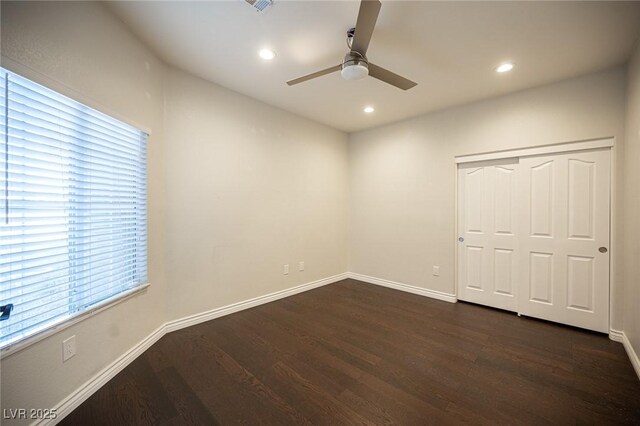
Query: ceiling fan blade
<point x="365" y="24"/>
<point x="314" y="75"/>
<point x="389" y="77"/>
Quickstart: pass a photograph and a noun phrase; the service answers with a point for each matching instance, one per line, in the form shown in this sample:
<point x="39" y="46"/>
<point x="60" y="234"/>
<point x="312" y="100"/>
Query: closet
<point x="533" y="233"/>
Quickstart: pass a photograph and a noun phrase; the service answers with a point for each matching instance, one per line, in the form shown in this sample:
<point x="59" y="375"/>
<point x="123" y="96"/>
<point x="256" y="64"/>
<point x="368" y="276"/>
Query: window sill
<point x="56" y="328"/>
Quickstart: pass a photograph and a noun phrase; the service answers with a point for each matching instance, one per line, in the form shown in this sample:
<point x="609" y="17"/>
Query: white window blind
<point x="73" y="211"/>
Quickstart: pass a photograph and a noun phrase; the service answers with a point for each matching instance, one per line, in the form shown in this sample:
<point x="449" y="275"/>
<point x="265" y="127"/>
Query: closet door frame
<point x="564" y="147"/>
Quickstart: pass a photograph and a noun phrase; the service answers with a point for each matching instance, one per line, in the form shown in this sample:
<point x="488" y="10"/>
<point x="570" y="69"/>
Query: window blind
<point x="73" y="207"/>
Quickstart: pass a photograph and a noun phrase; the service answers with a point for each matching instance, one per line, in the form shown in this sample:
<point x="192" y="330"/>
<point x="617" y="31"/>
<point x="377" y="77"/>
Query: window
<point x="73" y="214"/>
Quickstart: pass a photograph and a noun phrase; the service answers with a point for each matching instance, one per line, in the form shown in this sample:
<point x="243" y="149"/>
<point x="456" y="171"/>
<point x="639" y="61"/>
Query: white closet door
<point x="564" y="238"/>
<point x="487" y="223"/>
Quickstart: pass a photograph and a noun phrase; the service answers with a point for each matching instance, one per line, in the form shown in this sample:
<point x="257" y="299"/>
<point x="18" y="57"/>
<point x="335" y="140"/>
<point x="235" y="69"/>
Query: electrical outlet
<point x="301" y="266"/>
<point x="436" y="271"/>
<point x="286" y="269"/>
<point x="68" y="348"/>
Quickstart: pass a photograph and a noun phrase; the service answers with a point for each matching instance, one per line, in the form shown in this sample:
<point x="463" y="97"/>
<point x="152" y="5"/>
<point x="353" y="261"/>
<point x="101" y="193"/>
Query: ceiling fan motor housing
<point x="354" y="66"/>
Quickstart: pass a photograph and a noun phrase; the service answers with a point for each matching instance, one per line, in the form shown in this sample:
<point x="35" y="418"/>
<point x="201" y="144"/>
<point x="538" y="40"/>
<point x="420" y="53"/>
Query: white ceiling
<point x="448" y="48"/>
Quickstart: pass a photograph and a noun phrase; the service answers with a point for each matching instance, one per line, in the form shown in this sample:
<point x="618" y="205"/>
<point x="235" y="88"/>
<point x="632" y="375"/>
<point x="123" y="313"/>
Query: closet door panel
<point x="565" y="220"/>
<point x="488" y="223"/>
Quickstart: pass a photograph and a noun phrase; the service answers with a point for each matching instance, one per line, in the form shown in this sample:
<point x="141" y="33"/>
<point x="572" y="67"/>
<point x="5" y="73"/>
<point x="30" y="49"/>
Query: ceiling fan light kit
<point x="354" y="72"/>
<point x="354" y="67"/>
<point x="355" y="64"/>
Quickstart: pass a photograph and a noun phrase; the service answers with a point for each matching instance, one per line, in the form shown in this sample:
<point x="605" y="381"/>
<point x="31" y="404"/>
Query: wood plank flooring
<point x="352" y="353"/>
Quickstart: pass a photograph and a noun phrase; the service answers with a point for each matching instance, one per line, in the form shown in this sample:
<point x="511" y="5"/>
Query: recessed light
<point x="369" y="109"/>
<point x="506" y="67"/>
<point x="267" y="54"/>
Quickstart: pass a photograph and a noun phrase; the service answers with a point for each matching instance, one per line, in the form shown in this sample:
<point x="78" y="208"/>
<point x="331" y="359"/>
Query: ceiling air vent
<point x="260" y="5"/>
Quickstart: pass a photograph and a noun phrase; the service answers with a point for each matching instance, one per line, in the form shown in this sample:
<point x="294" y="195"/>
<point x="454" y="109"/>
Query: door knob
<point x="461" y="239"/>
<point x="602" y="249"/>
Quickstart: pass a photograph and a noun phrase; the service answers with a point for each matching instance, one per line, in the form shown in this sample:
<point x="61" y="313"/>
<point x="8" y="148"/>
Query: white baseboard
<point x="616" y="335"/>
<point x="633" y="355"/>
<point x="620" y="336"/>
<point x="451" y="298"/>
<point x="70" y="403"/>
<point x="246" y="304"/>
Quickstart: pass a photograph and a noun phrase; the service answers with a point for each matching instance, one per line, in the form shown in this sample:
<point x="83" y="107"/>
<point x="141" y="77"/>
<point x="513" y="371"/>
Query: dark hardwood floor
<point x="357" y="353"/>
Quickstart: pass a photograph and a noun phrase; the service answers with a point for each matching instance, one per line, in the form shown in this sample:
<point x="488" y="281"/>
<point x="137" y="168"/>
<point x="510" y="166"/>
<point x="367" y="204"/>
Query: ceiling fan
<point x="355" y="64"/>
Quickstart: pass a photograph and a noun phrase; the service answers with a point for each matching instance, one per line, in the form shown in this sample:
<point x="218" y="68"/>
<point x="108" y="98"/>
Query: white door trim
<point x="537" y="150"/>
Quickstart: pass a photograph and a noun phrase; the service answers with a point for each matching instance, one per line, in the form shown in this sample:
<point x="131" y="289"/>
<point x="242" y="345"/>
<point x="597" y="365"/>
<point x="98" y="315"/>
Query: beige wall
<point x="245" y="189"/>
<point x="81" y="50"/>
<point x="250" y="188"/>
<point x="402" y="176"/>
<point x="632" y="206"/>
